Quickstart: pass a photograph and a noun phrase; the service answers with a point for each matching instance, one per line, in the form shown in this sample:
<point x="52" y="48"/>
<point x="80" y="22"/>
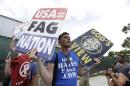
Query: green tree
<point x="125" y="29"/>
<point x="111" y="54"/>
<point x="126" y="43"/>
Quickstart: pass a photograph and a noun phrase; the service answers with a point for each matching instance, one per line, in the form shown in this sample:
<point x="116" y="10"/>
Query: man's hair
<point x="61" y="35"/>
<point x="120" y="56"/>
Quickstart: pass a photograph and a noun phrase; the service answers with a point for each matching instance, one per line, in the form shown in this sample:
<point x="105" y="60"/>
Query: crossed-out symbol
<point x="24" y="69"/>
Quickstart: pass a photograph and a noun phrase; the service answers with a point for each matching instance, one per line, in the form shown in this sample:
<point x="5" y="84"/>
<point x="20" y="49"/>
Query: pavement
<point x="93" y="81"/>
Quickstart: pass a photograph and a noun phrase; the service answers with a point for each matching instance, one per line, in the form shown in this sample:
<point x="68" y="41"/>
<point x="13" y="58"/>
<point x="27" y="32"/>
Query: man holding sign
<point x="20" y="68"/>
<point x="63" y="68"/>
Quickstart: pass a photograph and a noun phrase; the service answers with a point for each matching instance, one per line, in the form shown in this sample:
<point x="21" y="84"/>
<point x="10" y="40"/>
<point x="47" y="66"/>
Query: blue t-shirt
<point x="67" y="70"/>
<point x="33" y="68"/>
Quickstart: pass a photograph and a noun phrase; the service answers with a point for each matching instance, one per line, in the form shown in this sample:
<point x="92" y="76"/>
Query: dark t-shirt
<point x="125" y="68"/>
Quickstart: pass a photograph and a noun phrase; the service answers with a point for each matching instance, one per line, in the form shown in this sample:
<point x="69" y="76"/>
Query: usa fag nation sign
<point x="90" y="45"/>
<point x="43" y="32"/>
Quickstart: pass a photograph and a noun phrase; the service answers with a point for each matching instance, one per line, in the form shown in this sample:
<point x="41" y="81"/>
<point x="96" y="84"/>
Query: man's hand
<point x="8" y="60"/>
<point x="32" y="54"/>
<point x="96" y="60"/>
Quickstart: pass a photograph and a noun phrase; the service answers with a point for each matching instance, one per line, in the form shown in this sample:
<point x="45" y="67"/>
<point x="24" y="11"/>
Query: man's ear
<point x="59" y="42"/>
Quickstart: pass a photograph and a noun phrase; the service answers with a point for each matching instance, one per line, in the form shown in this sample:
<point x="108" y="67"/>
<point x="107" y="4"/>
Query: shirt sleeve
<point x="53" y="58"/>
<point x="34" y="68"/>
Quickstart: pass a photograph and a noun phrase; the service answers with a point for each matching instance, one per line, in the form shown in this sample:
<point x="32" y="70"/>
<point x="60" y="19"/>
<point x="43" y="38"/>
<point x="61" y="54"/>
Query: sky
<point x="106" y="16"/>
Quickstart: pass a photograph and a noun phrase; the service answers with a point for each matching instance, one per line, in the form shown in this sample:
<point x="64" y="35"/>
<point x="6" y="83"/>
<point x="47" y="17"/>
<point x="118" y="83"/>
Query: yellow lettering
<point x="74" y="45"/>
<point x="77" y="49"/>
<point x="86" y="59"/>
<point x="79" y="53"/>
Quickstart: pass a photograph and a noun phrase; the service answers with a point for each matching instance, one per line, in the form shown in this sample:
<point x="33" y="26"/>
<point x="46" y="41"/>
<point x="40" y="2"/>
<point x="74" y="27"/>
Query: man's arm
<point x="84" y="70"/>
<point x="12" y="44"/>
<point x="7" y="69"/>
<point x="34" y="80"/>
<point x="46" y="72"/>
<point x="120" y="80"/>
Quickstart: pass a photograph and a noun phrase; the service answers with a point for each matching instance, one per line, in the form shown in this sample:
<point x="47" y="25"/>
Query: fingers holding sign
<point x="97" y="60"/>
<point x="33" y="54"/>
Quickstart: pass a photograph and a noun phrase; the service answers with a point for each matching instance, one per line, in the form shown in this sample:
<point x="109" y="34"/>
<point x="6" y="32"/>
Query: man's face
<point x="121" y="59"/>
<point x="65" y="41"/>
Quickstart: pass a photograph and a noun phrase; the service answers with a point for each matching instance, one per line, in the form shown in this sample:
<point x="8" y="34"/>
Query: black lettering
<point x="40" y="27"/>
<point x="52" y="28"/>
<point x="32" y="25"/>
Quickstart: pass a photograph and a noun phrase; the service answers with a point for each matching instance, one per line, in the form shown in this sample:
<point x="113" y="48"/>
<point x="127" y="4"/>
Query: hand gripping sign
<point x="91" y="45"/>
<point x="43" y="32"/>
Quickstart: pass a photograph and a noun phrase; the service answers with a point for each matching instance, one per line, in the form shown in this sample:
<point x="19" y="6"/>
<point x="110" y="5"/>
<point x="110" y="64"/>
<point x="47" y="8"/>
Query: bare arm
<point x="114" y="79"/>
<point x="7" y="69"/>
<point x="12" y="44"/>
<point x="82" y="71"/>
<point x="46" y="72"/>
<point x="119" y="79"/>
<point x="34" y="80"/>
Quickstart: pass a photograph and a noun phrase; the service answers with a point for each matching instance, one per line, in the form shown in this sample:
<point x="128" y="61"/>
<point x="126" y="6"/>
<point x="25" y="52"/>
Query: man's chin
<point x="67" y="46"/>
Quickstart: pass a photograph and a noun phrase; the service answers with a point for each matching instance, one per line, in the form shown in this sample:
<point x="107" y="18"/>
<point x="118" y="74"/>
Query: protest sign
<point x="42" y="32"/>
<point x="90" y="45"/>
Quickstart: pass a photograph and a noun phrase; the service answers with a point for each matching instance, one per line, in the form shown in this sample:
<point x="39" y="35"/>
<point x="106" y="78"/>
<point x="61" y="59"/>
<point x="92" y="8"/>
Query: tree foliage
<point x="126" y="43"/>
<point x="125" y="29"/>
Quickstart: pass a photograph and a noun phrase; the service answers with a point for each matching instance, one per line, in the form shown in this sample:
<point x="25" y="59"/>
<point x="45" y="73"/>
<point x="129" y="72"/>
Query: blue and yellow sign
<point x="91" y="44"/>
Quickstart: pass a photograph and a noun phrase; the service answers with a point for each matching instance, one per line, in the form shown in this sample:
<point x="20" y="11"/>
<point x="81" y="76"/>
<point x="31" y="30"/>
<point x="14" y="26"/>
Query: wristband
<point x="42" y="60"/>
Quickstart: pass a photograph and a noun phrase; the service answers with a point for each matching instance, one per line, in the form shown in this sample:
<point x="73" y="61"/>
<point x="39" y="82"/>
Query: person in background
<point x="120" y="75"/>
<point x="20" y="67"/>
